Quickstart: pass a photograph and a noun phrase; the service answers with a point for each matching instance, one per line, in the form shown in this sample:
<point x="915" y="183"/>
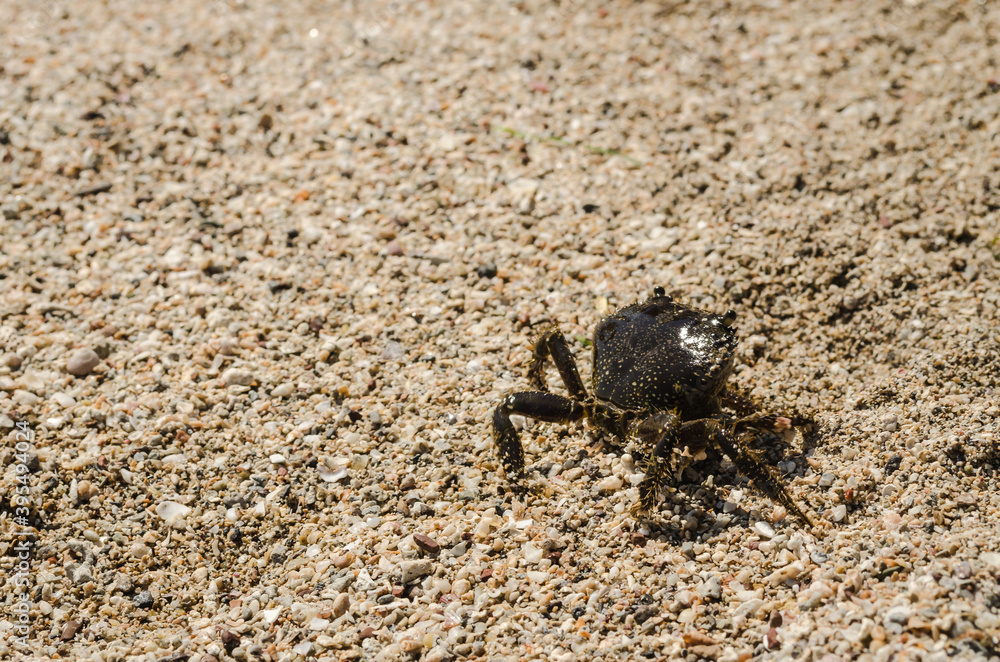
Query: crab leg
<point x="552" y="343"/>
<point x="658" y="431"/>
<point x="751" y="416"/>
<point x="747" y="464"/>
<point x="533" y="404"/>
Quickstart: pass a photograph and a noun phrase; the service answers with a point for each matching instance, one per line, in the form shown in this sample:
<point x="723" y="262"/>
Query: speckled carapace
<point x="659" y="384"/>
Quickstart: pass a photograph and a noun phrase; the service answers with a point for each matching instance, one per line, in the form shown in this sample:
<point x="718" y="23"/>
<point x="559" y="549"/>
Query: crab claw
<point x="782" y="423"/>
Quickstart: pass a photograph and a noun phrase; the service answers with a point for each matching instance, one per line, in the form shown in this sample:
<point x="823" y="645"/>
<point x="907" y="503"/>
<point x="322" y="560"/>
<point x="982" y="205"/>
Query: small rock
<point x="81" y="574"/>
<point x="64" y="400"/>
<point x="411" y="570"/>
<point x="764" y="529"/>
<point x="533" y="553"/>
<point x="646" y="612"/>
<point x="229" y="639"/>
<point x="281" y="390"/>
<point x="610" y="484"/>
<point x="235" y="377"/>
<point x="838" y="513"/>
<point x="168" y="510"/>
<point x="437" y="654"/>
<point x="486" y="270"/>
<point x="991" y="558"/>
<point x="84" y="490"/>
<point x="26" y="398"/>
<point x="781" y="575"/>
<point x="143" y="601"/>
<point x="139" y="550"/>
<point x="341" y="604"/>
<point x="69" y="631"/>
<point x="771" y="639"/>
<point x="426" y="543"/>
<point x="711" y="588"/>
<point x="279" y="553"/>
<point x="748" y="608"/>
<point x="393" y="351"/>
<point x="898" y="615"/>
<point x="82" y="362"/>
<point x="124" y="584"/>
<point x="826" y="480"/>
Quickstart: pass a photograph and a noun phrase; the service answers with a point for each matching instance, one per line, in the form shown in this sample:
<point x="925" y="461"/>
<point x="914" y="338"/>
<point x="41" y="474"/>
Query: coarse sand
<point x="266" y="269"/>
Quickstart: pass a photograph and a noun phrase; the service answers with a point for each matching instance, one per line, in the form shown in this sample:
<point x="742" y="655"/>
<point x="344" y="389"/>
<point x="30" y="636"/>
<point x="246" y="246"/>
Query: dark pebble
<point x="486" y="271"/>
<point x="70" y="630"/>
<point x="91" y="190"/>
<point x="143" y="601"/>
<point x="426" y="543"/>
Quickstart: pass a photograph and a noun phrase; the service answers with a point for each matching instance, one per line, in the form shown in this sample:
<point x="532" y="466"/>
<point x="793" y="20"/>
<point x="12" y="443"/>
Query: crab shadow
<point x="771" y="447"/>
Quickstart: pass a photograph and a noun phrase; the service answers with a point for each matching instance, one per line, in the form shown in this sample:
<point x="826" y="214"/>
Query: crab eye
<point x="729" y="318"/>
<point x="658" y="291"/>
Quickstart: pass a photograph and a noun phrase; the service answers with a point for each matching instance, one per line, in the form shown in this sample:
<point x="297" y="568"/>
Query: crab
<point x="659" y="385"/>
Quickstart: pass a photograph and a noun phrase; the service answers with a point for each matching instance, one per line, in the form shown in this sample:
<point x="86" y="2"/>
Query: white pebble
<point x="532" y="553"/>
<point x="168" y="510"/>
<point x="610" y="484"/>
<point x="781" y="575"/>
<point x="63" y="400"/>
<point x="282" y="390"/>
<point x="991" y="558"/>
<point x="764" y="529"/>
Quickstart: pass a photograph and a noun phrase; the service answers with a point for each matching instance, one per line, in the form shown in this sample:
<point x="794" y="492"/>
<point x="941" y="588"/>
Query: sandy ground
<point x="267" y="268"/>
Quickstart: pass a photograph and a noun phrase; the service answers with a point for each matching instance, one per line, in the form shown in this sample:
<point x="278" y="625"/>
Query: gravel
<point x="267" y="268"/>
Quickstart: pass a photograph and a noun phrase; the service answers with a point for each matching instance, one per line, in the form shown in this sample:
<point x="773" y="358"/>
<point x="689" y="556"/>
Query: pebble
<point x="764" y="529"/>
<point x="140" y="550"/>
<point x="168" y="510"/>
<point x="412" y="570"/>
<point x="81" y="574"/>
<point x="341" y="604"/>
<point x="279" y="553"/>
<point x="26" y="398"/>
<point x="426" y="543"/>
<point x="711" y="588"/>
<point x="610" y="484"/>
<point x="64" y="400"/>
<point x="991" y="559"/>
<point x="838" y="513"/>
<point x="532" y="553"/>
<point x="144" y="600"/>
<point x="82" y="362"/>
<point x="234" y="377"/>
<point x="279" y="391"/>
<point x="781" y="575"/>
<point x="344" y="560"/>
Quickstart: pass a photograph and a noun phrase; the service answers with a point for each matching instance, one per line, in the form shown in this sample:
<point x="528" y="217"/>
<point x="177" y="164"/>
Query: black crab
<point x="659" y="384"/>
